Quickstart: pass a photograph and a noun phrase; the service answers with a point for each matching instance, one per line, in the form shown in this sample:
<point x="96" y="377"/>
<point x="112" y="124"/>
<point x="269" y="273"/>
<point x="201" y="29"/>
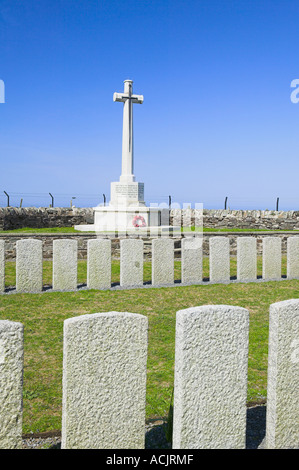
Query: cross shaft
<point x="127" y="174"/>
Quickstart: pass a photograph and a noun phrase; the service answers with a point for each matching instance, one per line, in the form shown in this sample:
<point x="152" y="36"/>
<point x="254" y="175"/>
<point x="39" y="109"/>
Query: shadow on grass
<point x="155" y="438"/>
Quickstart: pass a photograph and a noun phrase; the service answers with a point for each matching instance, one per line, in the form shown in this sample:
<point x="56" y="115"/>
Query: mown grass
<point x="43" y="316"/>
<point x="43" y="230"/>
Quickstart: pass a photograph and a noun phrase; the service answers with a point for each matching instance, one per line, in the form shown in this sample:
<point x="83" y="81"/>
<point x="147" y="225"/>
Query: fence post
<point x="52" y="199"/>
<point x="7" y="195"/>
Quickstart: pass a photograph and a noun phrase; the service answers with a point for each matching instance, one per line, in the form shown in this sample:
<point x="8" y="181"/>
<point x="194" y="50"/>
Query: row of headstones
<point x="29" y="262"/>
<point x="105" y="369"/>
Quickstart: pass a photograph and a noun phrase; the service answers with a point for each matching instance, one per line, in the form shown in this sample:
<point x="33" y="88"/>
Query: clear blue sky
<point x="217" y="119"/>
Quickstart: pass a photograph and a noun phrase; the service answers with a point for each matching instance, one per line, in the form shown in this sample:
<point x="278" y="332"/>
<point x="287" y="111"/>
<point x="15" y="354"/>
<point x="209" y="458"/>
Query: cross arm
<point x="137" y="99"/>
<point x="119" y="97"/>
<point x="123" y="97"/>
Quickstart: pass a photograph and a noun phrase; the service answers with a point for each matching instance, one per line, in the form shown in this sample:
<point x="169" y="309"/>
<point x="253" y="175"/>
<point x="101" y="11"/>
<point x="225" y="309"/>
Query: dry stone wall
<point x="42" y="217"/>
<point x="250" y="219"/>
<point x="12" y="218"/>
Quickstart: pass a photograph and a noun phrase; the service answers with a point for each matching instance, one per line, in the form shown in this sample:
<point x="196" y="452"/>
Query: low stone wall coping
<point x="44" y="234"/>
<point x="5" y="233"/>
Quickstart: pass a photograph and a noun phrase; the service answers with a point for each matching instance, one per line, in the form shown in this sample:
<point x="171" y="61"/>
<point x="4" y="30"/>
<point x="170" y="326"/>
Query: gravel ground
<point x="155" y="433"/>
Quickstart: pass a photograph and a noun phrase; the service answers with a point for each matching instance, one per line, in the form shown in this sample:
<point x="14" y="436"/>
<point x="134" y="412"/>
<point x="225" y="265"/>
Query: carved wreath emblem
<point x="139" y="221"/>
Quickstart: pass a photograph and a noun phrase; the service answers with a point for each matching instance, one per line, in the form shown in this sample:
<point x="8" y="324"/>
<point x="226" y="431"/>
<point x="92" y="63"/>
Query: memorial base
<point x="123" y="219"/>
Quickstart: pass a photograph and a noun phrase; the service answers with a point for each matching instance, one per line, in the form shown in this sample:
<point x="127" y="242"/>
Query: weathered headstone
<point x="219" y="259"/>
<point x="246" y="259"/>
<point x="162" y="261"/>
<point x="99" y="263"/>
<point x="131" y="262"/>
<point x="29" y="265"/>
<point x="210" y="388"/>
<point x="191" y="256"/>
<point x="282" y="424"/>
<point x="104" y="381"/>
<point x="2" y="265"/>
<point x="65" y="264"/>
<point x="271" y="258"/>
<point x="11" y="384"/>
<point x="293" y="257"/>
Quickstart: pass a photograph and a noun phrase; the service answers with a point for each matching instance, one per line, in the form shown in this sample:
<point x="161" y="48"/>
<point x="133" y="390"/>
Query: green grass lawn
<point x="42" y="230"/>
<point x="43" y="316"/>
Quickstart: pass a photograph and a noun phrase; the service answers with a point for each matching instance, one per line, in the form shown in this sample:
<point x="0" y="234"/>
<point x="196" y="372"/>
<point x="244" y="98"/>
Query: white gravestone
<point x="11" y="384"/>
<point x="246" y="259"/>
<point x="293" y="257"/>
<point x="282" y="424"/>
<point x="162" y="261"/>
<point x="272" y="258"/>
<point x="219" y="259"/>
<point x="65" y="260"/>
<point x="99" y="264"/>
<point x="131" y="263"/>
<point x="191" y="259"/>
<point x="29" y="265"/>
<point x="104" y="381"/>
<point x="210" y="387"/>
<point x="2" y="265"/>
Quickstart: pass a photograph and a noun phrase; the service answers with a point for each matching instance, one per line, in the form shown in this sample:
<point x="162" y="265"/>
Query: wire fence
<point x="52" y="199"/>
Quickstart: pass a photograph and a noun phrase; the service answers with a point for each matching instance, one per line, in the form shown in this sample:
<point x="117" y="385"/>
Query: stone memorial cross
<point x="127" y="175"/>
